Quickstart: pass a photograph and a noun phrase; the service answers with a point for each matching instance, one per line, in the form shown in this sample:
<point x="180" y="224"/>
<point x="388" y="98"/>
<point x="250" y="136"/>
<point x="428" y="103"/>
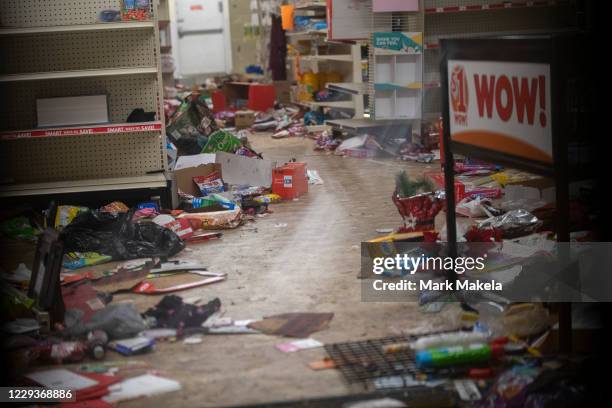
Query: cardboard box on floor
<point x="234" y="169"/>
<point x="242" y="170"/>
<point x="244" y="119"/>
<point x="184" y="177"/>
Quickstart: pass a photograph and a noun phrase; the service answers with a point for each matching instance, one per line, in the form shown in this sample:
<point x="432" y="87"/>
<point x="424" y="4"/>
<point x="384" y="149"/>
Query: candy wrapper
<point x="66" y="214"/>
<point x="216" y="220"/>
<point x="513" y="224"/>
<point x="476" y="207"/>
<point x="209" y="184"/>
<point x="419" y="211"/>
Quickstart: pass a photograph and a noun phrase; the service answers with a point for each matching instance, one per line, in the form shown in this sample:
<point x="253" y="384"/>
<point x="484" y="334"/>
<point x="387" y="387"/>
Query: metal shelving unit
<point x="58" y="49"/>
<point x="343" y="57"/>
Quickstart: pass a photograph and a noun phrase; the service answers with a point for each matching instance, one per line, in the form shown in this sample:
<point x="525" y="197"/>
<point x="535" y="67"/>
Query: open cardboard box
<point x="184" y="177"/>
<point x="234" y="169"/>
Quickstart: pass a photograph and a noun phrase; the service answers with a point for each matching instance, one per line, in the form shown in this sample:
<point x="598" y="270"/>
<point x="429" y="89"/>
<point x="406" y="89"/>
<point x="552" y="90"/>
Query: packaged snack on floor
<point x="211" y="183"/>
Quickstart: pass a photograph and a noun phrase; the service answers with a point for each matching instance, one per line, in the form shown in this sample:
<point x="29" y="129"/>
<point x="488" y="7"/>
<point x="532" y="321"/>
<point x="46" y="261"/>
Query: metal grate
<point x="364" y="361"/>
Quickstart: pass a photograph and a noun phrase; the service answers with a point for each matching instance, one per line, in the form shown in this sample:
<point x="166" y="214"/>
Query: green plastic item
<point x="19" y="228"/>
<point x="457" y="355"/>
<point x="221" y="141"/>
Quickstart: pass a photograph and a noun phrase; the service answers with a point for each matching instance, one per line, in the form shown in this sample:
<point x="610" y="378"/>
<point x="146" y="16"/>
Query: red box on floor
<point x="290" y="181"/>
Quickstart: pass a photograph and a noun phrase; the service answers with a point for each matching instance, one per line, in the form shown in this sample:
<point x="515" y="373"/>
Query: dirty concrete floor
<point x="309" y="265"/>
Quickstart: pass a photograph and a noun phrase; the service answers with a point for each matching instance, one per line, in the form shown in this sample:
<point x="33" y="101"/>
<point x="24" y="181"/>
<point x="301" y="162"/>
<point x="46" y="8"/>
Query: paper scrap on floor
<point x="142" y="386"/>
<point x="298" y="345"/>
<point x="61" y="378"/>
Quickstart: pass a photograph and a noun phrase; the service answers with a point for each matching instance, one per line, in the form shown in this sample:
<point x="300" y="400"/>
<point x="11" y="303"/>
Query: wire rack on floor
<point x="365" y="361"/>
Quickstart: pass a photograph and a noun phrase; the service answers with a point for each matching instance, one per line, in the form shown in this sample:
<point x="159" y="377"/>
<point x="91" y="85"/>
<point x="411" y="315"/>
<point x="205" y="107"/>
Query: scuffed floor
<point x="311" y="264"/>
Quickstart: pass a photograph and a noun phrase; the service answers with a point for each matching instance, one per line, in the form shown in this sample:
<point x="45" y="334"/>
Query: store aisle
<point x="302" y="258"/>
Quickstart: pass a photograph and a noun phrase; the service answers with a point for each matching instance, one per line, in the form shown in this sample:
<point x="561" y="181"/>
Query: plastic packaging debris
<point x="313" y="177"/>
<point x="519" y="320"/>
<point x="215" y="220"/>
<point x="118" y="320"/>
<point x="509" y="387"/>
<point x="76" y="260"/>
<point x="19" y="228"/>
<point x="268" y="198"/>
<point x="66" y="214"/>
<point x="146" y="385"/>
<point x="190" y="125"/>
<point x="352" y="143"/>
<point x="115" y="207"/>
<point x="211" y="183"/>
<point x="116" y="235"/>
<point x="224" y="202"/>
<point x="221" y="141"/>
<point x="182" y="228"/>
<point x="513" y="224"/>
<point x="476" y="207"/>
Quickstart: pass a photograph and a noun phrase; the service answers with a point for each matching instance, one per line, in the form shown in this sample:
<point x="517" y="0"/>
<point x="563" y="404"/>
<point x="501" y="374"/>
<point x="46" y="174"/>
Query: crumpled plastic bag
<point x="118" y="236"/>
<point x="118" y="320"/>
<point x="513" y="224"/>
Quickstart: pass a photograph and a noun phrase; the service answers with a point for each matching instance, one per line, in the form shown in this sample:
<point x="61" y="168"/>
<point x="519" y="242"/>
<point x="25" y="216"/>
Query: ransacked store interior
<point x="301" y="203"/>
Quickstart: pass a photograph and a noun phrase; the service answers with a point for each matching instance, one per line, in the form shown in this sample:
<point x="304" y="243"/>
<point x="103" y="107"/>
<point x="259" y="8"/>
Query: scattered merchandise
<point x="78" y="260"/>
<point x="172" y="312"/>
<point x="135" y="345"/>
<point x="112" y="265"/>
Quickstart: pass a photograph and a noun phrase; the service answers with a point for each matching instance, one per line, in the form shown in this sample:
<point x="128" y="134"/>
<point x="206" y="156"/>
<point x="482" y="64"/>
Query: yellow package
<point x="66" y="214"/>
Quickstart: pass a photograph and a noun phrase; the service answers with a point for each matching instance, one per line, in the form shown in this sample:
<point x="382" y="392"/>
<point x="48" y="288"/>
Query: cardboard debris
<point x="300" y="325"/>
<point x="241" y="170"/>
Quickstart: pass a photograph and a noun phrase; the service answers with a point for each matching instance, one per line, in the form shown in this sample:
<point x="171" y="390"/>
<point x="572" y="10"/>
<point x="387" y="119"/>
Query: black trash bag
<point x="116" y="235"/>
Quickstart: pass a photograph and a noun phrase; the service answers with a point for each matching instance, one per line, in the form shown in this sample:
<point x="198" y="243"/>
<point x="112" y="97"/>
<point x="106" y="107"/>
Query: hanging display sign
<point x="501" y="106"/>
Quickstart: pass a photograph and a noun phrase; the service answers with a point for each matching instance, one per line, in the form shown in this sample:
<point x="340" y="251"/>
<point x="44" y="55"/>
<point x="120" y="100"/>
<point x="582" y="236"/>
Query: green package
<point x="221" y="141"/>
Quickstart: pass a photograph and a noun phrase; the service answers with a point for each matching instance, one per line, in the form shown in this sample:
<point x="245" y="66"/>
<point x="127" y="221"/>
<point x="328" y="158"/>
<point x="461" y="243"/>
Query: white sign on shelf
<point x="501" y="106"/>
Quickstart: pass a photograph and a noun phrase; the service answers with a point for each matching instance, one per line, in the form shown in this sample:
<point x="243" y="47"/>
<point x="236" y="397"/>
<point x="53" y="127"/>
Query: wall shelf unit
<point x="58" y="49"/>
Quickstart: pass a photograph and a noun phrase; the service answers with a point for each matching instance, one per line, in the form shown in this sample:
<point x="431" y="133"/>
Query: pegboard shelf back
<point x="48" y="13"/>
<point x="57" y="49"/>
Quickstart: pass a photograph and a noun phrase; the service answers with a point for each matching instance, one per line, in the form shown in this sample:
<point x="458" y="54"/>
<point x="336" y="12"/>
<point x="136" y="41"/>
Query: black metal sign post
<point x="539" y="50"/>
